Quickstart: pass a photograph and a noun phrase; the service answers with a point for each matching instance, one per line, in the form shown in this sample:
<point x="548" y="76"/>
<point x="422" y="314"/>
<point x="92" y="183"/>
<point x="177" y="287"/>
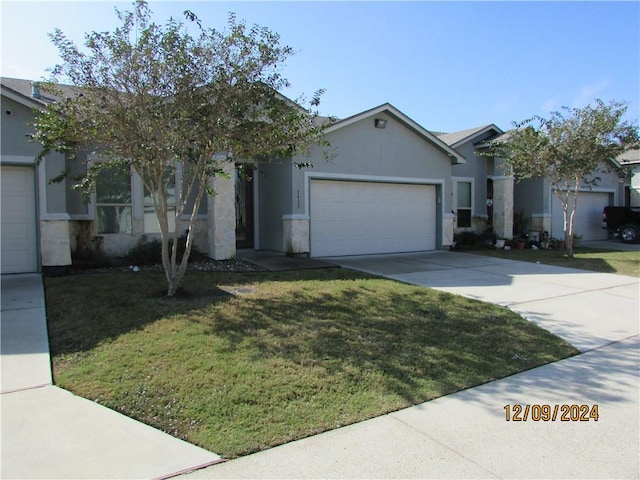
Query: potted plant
<point x="557" y="243"/>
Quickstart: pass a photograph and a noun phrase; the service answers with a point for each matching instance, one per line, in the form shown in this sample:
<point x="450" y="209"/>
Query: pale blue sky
<point x="448" y="65"/>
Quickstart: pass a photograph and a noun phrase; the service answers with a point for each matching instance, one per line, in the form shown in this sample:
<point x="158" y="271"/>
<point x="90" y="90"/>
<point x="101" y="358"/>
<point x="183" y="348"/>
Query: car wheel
<point x="629" y="233"/>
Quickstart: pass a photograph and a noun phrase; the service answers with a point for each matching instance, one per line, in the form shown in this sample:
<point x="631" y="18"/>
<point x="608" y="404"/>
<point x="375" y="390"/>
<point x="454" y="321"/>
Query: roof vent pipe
<point x="35" y="90"/>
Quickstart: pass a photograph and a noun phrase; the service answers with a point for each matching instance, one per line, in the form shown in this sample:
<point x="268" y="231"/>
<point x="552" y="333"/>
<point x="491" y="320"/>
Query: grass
<point x="592" y="259"/>
<point x="294" y="354"/>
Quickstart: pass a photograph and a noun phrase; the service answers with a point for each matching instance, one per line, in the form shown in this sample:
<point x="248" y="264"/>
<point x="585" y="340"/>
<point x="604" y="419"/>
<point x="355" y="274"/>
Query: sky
<point x="447" y="65"/>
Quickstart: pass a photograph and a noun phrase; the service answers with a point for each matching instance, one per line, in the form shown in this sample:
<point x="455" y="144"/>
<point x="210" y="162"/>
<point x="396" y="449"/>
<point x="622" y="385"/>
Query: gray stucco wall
<point x="358" y="152"/>
<point x="476" y="168"/>
<point x="529" y="196"/>
<point x="360" y="149"/>
<point x="479" y="168"/>
<point x="16" y="120"/>
<point x="274" y="200"/>
<point x="15" y="129"/>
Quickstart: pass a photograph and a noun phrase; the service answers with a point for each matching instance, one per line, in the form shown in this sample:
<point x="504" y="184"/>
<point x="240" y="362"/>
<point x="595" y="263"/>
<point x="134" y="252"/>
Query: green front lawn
<point x="592" y="259"/>
<point x="285" y="356"/>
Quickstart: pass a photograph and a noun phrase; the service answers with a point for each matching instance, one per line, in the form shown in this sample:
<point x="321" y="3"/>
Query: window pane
<point x="464" y="194"/>
<point x="151" y="224"/>
<point x="113" y="219"/>
<point x="113" y="187"/>
<point x="171" y="192"/>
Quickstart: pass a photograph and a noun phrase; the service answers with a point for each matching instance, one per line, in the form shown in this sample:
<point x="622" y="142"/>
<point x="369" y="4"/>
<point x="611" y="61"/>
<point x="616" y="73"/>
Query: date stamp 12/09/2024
<point x="551" y="413"/>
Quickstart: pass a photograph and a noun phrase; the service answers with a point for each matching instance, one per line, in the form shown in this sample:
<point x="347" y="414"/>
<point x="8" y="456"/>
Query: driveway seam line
<point x="570" y="294"/>
<point x="422" y="434"/>
<point x="612" y="342"/>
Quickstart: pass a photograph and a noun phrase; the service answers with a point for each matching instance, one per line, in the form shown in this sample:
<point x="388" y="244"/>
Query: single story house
<point x="484" y="195"/>
<point x="385" y="188"/>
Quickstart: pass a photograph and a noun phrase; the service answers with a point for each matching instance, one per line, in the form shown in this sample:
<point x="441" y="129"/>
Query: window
<point x="113" y="202"/>
<point x="151" y="223"/>
<point x="464" y="204"/>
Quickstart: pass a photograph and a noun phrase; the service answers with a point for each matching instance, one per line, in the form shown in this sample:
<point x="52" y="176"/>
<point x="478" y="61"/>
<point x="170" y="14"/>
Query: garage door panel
<point x="18" y="216"/>
<point x="588" y="216"/>
<point x="351" y="218"/>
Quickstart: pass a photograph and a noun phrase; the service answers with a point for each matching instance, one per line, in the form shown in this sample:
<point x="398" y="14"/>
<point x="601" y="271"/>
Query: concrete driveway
<point x="466" y="435"/>
<point x="587" y="309"/>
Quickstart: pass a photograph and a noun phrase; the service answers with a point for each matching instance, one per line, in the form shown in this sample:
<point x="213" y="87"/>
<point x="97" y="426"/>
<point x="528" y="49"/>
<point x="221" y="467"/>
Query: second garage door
<point x="588" y="217"/>
<point x="360" y="218"/>
<point x="19" y="250"/>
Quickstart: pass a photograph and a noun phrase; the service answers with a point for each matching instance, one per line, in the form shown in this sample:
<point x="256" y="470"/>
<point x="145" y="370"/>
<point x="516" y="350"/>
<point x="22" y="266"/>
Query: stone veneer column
<point x="55" y="244"/>
<point x="295" y="234"/>
<point x="503" y="206"/>
<point x="448" y="229"/>
<point x="221" y="216"/>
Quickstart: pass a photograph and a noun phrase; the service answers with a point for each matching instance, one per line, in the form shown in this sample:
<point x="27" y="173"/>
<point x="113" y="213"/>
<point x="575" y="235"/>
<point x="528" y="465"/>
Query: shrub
<point x="148" y="251"/>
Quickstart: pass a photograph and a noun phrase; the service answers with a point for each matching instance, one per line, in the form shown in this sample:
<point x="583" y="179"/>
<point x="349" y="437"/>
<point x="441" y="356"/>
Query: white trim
<point x="500" y="177"/>
<point x="308" y="176"/>
<point x="21" y="99"/>
<point x="186" y="217"/>
<point x="55" y="216"/>
<point x="471" y="136"/>
<point x="137" y="197"/>
<point x="454" y="197"/>
<point x="295" y="216"/>
<point x="81" y="216"/>
<point x="18" y="160"/>
<point x="256" y="207"/>
<point x="41" y="175"/>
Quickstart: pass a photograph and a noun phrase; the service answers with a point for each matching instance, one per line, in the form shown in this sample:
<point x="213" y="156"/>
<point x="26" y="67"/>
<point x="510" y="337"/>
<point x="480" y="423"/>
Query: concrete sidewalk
<point x="50" y="433"/>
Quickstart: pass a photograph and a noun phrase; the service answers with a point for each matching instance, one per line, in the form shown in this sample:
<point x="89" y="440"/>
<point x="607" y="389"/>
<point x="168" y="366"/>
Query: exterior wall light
<point x="380" y="123"/>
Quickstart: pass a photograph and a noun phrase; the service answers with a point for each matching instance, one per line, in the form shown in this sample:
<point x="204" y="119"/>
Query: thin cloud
<point x="590" y="92"/>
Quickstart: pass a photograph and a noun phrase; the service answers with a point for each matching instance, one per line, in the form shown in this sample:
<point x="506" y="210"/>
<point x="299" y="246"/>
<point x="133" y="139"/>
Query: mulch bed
<point x="207" y="265"/>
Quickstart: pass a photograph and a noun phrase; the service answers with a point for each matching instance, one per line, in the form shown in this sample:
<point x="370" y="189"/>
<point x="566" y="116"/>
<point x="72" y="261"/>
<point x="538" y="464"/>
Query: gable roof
<point x="458" y="138"/>
<point x="392" y="111"/>
<point x="21" y="91"/>
<point x="630" y="157"/>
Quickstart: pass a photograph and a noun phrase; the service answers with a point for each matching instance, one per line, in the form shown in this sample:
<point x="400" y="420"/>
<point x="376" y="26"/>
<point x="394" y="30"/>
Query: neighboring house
<point x="386" y="188"/>
<point x="482" y="193"/>
<point x="543" y="211"/>
<point x="631" y="160"/>
<point x="35" y="217"/>
<point x="485" y="197"/>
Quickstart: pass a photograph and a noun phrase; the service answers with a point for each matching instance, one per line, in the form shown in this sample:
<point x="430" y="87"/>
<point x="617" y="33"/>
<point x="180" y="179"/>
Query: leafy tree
<point x="569" y="149"/>
<point x="153" y="98"/>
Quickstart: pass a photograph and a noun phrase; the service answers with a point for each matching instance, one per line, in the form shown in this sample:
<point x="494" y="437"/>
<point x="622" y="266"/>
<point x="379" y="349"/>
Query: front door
<point x="244" y="206"/>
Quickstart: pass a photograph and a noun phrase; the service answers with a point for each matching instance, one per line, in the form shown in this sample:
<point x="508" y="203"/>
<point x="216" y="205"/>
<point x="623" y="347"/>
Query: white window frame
<point x="141" y="195"/>
<point x="96" y="204"/>
<point x="455" y="182"/>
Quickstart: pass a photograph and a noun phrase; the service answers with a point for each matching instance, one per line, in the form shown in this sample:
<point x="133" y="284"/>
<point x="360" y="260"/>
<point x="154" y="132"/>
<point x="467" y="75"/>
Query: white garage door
<point x="359" y="218"/>
<point x="19" y="251"/>
<point x="588" y="216"/>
